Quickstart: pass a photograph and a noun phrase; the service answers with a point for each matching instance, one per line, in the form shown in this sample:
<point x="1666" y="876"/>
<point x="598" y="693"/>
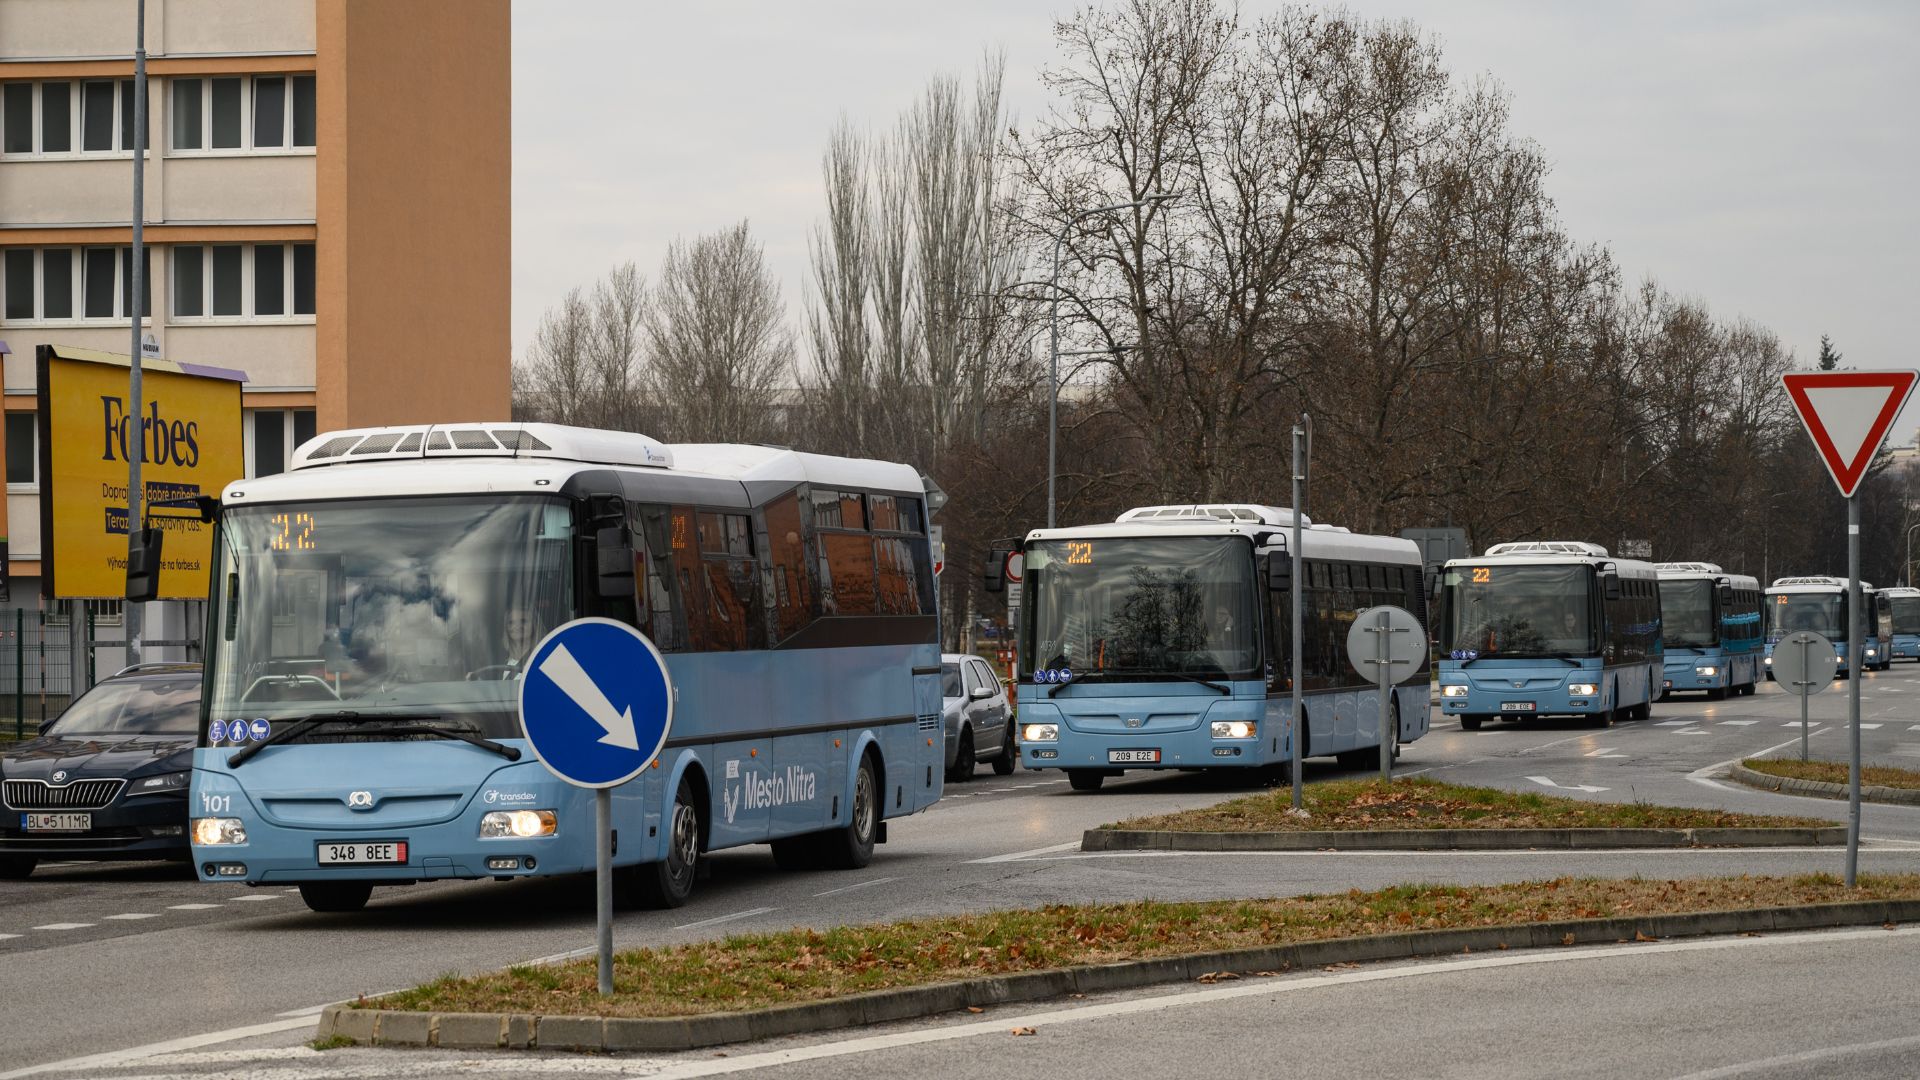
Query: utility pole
<point x="136" y="302"/>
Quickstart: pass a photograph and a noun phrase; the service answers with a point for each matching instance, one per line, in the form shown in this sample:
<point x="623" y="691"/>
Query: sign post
<point x="1804" y="662"/>
<point x="596" y="705"/>
<point x="1386" y="644"/>
<point x="1847" y="415"/>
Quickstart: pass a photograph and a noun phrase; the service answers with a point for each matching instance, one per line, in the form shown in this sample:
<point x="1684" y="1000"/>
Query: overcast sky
<point x="1760" y="157"/>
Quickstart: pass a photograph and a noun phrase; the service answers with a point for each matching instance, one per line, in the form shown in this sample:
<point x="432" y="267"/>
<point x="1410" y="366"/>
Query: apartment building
<point x="327" y="200"/>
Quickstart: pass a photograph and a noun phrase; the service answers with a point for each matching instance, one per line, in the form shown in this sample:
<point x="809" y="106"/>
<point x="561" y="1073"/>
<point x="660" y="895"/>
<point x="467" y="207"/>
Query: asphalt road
<point x="110" y="959"/>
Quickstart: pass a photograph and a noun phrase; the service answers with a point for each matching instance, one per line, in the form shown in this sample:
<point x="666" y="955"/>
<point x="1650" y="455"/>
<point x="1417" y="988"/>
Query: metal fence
<point x="36" y="668"/>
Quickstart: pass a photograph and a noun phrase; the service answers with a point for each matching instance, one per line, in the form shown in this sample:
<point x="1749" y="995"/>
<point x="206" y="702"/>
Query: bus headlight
<point x="1234" y="729"/>
<point x="1453" y="690"/>
<point x="1708" y="670"/>
<point x="517" y="824"/>
<point x="214" y="831"/>
<point x="1769" y="661"/>
<point x="1583" y="688"/>
<point x="1040" y="733"/>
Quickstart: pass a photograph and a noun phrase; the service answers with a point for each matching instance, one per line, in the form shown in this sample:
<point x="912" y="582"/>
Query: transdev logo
<point x="492" y="797"/>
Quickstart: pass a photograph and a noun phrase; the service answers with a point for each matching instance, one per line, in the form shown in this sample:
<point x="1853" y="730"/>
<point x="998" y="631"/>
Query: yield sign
<point x="1847" y="414"/>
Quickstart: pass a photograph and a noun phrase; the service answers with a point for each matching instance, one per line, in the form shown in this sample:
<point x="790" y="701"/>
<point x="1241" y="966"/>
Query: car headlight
<point x="1708" y="670"/>
<point x="147" y="785"/>
<point x="1234" y="729"/>
<point x="517" y="824"/>
<point x="1585" y="688"/>
<point x="215" y="831"/>
<point x="1453" y="690"/>
<point x="1769" y="661"/>
<point x="1040" y="733"/>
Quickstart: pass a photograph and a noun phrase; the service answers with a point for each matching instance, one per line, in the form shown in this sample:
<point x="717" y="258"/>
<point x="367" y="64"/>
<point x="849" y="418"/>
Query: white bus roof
<point x="1699" y="571"/>
<point x="536" y="458"/>
<point x="1899" y="590"/>
<point x="1557" y="553"/>
<point x="1241" y="519"/>
<point x="1814" y="584"/>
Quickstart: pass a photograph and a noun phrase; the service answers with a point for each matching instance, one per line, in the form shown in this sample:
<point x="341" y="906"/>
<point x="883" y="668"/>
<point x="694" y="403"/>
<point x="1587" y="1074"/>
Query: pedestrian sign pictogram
<point x="1847" y="415"/>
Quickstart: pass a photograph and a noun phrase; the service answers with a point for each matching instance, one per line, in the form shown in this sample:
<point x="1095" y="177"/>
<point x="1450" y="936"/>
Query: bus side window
<point x="733" y="619"/>
<point x="659" y="619"/>
<point x="792" y="584"/>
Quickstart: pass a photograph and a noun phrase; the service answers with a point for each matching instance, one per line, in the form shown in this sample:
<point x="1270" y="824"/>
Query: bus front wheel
<point x="336" y="895"/>
<point x="668" y="882"/>
<point x="1469" y="722"/>
<point x="1086" y="779"/>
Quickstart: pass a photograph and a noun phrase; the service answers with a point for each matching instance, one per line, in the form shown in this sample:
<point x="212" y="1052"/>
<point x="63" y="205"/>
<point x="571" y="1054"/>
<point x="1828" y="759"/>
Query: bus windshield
<point x="1686" y="611"/>
<point x="1143" y="606"/>
<point x="1906" y="614"/>
<point x="425" y="607"/>
<point x="1519" y="611"/>
<point x="1823" y="613"/>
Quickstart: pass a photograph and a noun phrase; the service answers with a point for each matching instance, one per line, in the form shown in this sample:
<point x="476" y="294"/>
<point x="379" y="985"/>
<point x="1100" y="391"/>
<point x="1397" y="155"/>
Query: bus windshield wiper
<point x="301" y="727"/>
<point x="1225" y="691"/>
<point x="465" y="735"/>
<point x="1057" y="687"/>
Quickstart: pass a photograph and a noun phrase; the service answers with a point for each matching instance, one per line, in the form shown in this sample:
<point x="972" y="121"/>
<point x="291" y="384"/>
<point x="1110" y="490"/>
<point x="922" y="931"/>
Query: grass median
<point x="1420" y="803"/>
<point x="1834" y="772"/>
<point x="793" y="966"/>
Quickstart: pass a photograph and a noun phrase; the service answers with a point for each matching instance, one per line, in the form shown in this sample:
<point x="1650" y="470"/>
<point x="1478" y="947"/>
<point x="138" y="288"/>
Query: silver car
<point x="977" y="716"/>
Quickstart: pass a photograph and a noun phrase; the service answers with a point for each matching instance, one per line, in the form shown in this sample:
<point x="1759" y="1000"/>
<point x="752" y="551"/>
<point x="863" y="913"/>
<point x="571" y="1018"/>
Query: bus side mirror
<point x="143" y="566"/>
<point x="993" y="571"/>
<point x="1280" y="573"/>
<point x="613" y="551"/>
<point x="1726" y="596"/>
<point x="1612" y="586"/>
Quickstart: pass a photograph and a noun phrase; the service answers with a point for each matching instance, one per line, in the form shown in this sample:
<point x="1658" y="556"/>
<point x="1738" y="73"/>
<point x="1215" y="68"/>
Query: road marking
<point x="1605" y="751"/>
<point x="1018" y="855"/>
<point x="64" y="926"/>
<point x="191" y="907"/>
<point x="134" y="915"/>
<point x="1804" y="1057"/>
<point x="1915" y="727"/>
<point x="1674" y="723"/>
<point x="248" y="899"/>
<point x="856" y="885"/>
<point x="1738" y="723"/>
<point x="1547" y="782"/>
<point x="115" y="1058"/>
<point x="4" y="937"/>
<point x="747" y="914"/>
<point x="1869" y="727"/>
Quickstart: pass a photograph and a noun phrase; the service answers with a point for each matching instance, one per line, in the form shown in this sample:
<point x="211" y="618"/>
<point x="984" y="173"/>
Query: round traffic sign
<point x="1804" y="663"/>
<point x="596" y="702"/>
<point x="1016" y="566"/>
<point x="1386" y="644"/>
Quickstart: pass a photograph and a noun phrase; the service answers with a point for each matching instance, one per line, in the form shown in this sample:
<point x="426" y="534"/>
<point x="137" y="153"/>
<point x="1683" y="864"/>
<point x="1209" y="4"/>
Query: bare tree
<point x="718" y="343"/>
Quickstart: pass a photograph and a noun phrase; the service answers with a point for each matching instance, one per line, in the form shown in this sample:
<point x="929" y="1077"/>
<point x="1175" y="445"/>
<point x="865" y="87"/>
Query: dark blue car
<point x="108" y="778"/>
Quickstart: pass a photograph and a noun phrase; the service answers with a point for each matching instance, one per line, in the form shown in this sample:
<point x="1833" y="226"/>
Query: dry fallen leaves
<point x="975" y="1009"/>
<point x="1566" y="939"/>
<point x="1638" y="936"/>
<point x="1025" y="1031"/>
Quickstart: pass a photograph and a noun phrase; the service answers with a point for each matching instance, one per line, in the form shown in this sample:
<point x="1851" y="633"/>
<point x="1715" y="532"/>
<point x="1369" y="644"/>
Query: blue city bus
<point x="371" y="610"/>
<point x="1903" y="611"/>
<point x="1710" y="626"/>
<point x="1819" y="603"/>
<point x="1162" y="640"/>
<point x="1549" y="628"/>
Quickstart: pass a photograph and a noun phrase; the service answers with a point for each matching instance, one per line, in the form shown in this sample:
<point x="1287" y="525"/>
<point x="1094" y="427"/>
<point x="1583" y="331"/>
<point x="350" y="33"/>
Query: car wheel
<point x="16" y="867"/>
<point x="1009" y="758"/>
<point x="851" y="848"/>
<point x="963" y="758"/>
<point x="668" y="882"/>
<point x="336" y="895"/>
<point x="1086" y="779"/>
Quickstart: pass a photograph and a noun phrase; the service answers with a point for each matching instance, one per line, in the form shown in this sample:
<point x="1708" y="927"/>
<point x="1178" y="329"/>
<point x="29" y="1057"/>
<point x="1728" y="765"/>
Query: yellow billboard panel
<point x="191" y="425"/>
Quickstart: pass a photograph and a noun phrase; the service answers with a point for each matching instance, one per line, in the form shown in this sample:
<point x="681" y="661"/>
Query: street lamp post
<point x="1053" y="335"/>
<point x="1910" y="531"/>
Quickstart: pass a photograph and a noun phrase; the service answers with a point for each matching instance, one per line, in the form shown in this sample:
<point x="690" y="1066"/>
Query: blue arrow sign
<point x="596" y="703"/>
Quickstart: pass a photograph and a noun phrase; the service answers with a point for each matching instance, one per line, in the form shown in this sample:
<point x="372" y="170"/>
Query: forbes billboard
<point x="189" y="424"/>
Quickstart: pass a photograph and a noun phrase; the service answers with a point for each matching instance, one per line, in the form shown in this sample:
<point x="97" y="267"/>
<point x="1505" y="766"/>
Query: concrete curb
<point x="1454" y="839"/>
<point x="1820" y="789"/>
<point x="522" y="1031"/>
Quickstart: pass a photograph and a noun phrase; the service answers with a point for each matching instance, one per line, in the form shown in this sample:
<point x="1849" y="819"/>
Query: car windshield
<point x="950" y="680"/>
<point x="1143" y="606"/>
<point x="1686" y="612"/>
<point x="140" y="706"/>
<point x="1518" y="611"/>
<point x="408" y="606"/>
<point x="1824" y="613"/>
<point x="1906" y="614"/>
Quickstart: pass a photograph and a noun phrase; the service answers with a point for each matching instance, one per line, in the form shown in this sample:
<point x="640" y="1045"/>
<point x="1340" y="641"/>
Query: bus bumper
<point x="452" y="849"/>
<point x="1523" y="702"/>
<point x="1697" y="675"/>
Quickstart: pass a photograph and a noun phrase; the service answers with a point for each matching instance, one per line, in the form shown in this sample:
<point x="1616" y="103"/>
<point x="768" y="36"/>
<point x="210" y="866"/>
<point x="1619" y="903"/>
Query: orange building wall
<point x="414" y="253"/>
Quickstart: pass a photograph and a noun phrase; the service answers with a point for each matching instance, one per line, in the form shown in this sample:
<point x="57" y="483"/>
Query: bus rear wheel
<point x="851" y="847"/>
<point x="668" y="882"/>
<point x="1086" y="779"/>
<point x="336" y="895"/>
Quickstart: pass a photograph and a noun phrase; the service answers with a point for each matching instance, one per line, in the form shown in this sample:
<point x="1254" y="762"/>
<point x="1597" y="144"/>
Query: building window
<point x="276" y="434"/>
<point x="244" y="112"/>
<point x="46" y="119"/>
<point x="243" y="281"/>
<point x="65" y="284"/>
<point x="23" y="448"/>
